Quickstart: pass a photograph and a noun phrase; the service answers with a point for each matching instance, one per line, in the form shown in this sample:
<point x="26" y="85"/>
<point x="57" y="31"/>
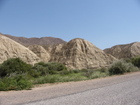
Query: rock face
<point x="124" y="51"/>
<point x="36" y="41"/>
<point x="12" y="49"/>
<point x="80" y="54"/>
<point x="40" y="52"/>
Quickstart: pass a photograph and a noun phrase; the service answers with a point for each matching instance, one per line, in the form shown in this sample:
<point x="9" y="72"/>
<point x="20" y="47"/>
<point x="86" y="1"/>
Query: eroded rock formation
<point x="124" y="51"/>
<point x="80" y="54"/>
<point x="12" y="49"/>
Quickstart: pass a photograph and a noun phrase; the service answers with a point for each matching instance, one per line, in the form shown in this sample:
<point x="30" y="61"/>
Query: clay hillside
<point x="42" y="53"/>
<point x="36" y="41"/>
<point x="80" y="54"/>
<point x="12" y="49"/>
<point x="124" y="51"/>
<point x="75" y="54"/>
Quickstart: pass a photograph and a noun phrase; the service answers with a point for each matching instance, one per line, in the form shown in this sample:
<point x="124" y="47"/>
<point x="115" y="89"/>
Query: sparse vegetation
<point x="18" y="82"/>
<point x="17" y="75"/>
<point x="121" y="67"/>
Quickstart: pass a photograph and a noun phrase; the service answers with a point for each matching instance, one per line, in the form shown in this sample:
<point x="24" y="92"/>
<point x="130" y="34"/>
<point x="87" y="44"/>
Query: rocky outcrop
<point x="12" y="49"/>
<point x="43" y="41"/>
<point x="80" y="54"/>
<point x="124" y="51"/>
<point x="40" y="52"/>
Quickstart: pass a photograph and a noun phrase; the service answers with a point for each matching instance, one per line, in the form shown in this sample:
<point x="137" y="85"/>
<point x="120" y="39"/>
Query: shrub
<point x="42" y="68"/>
<point x="95" y="73"/>
<point x="88" y="72"/>
<point x="19" y="82"/>
<point x="67" y="72"/>
<point x="103" y="69"/>
<point x="34" y="73"/>
<point x="121" y="67"/>
<point x="136" y="61"/>
<point x="14" y="66"/>
<point x="39" y="69"/>
<point x="55" y="68"/>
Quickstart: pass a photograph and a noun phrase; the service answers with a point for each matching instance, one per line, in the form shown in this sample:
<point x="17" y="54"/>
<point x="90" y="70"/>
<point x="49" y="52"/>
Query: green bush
<point x="87" y="73"/>
<point x="39" y="69"/>
<point x="14" y="66"/>
<point x="19" y="82"/>
<point x="56" y="68"/>
<point x="136" y="61"/>
<point x="121" y="67"/>
<point x="34" y="73"/>
<point x="95" y="73"/>
<point x="42" y="68"/>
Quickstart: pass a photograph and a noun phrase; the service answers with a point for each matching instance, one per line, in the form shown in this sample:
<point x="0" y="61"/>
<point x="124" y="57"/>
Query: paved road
<point x="116" y="90"/>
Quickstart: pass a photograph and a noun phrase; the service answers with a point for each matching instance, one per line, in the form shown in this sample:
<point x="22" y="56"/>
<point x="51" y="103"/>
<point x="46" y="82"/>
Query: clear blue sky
<point x="104" y="23"/>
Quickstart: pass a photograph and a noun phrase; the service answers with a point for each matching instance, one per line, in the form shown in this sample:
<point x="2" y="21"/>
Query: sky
<point x="104" y="23"/>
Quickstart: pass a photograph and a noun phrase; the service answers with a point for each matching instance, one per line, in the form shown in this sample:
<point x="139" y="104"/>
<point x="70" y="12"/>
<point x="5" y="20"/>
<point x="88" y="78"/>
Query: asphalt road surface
<point x="116" y="90"/>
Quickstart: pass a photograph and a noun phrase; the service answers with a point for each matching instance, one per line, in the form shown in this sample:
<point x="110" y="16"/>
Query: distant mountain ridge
<point x="43" y="41"/>
<point x="125" y="50"/>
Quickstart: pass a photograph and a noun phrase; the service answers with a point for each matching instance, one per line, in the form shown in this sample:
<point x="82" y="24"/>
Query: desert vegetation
<point x="17" y="75"/>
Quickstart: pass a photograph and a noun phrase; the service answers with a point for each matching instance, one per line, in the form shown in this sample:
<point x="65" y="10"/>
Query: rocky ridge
<point x="125" y="50"/>
<point x="43" y="41"/>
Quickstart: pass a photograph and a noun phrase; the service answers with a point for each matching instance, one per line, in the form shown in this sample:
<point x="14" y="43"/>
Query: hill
<point x="12" y="49"/>
<point x="125" y="50"/>
<point x="80" y="54"/>
<point x="75" y="54"/>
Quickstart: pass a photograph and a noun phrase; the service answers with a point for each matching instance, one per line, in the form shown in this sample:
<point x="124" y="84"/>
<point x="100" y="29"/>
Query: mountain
<point x="75" y="54"/>
<point x="43" y="41"/>
<point x="125" y="50"/>
<point x="12" y="49"/>
<point x="80" y="54"/>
